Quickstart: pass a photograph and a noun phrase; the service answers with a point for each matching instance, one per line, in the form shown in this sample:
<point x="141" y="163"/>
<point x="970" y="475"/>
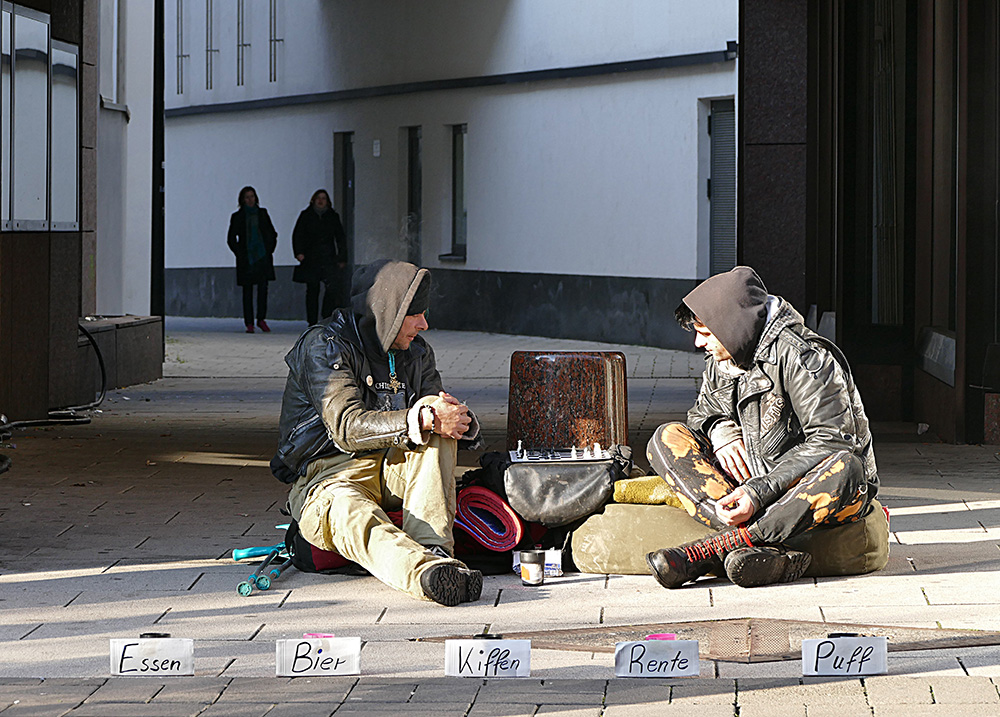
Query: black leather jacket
<point x="795" y="405"/>
<point x="328" y="404"/>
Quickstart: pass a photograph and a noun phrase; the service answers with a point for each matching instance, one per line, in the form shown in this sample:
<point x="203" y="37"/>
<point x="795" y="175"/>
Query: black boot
<point x="450" y="584"/>
<point x="672" y="567"/>
<point x="751" y="567"/>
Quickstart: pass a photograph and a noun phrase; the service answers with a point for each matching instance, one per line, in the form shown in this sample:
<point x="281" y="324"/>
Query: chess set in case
<point x="567" y="433"/>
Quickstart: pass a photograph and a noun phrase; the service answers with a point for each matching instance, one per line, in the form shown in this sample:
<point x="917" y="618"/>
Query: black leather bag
<point x="556" y="493"/>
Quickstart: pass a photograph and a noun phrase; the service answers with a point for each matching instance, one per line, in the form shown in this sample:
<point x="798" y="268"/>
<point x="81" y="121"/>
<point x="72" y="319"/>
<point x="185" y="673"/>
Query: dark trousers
<point x="832" y="493"/>
<point x="248" y="302"/>
<point x="312" y="300"/>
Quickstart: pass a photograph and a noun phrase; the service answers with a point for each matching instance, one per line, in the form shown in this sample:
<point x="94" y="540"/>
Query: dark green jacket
<point x="795" y="405"/>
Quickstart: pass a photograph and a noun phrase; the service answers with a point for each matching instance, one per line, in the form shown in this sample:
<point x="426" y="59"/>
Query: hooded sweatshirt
<point x="381" y="294"/>
<point x="734" y="307"/>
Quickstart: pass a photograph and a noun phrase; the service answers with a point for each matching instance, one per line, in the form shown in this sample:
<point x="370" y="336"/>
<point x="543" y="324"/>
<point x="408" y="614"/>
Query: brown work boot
<point x="672" y="567"/>
<point x="767" y="565"/>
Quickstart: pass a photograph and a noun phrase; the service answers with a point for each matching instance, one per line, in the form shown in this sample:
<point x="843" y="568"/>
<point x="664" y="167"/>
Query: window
<point x="65" y="136"/>
<point x="210" y="48"/>
<point x="241" y="45"/>
<point x="109" y="50"/>
<point x="459" y="215"/>
<point x="30" y="160"/>
<point x="722" y="186"/>
<point x="181" y="55"/>
<point x="273" y="42"/>
<point x="39" y="111"/>
<point x="6" y="57"/>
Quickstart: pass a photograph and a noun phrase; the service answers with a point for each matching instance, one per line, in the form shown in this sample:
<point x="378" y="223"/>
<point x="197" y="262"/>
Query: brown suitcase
<point x="559" y="399"/>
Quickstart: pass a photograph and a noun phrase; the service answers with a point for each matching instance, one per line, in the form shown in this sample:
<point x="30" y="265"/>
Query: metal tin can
<point x="532" y="567"/>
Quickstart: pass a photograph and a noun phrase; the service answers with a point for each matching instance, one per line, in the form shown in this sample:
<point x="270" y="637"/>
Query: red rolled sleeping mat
<point x="488" y="519"/>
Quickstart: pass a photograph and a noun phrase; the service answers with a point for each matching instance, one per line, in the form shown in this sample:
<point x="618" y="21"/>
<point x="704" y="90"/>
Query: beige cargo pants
<point x="346" y="500"/>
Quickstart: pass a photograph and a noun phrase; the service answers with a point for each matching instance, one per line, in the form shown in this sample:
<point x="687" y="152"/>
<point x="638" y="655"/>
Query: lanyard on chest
<point x="394" y="383"/>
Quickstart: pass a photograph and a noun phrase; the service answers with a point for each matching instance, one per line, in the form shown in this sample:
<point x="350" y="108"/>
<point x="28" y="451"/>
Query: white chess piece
<point x="573" y="453"/>
<point x="597" y="450"/>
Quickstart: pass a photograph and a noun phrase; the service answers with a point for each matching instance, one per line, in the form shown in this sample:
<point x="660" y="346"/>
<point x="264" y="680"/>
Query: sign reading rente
<point x="657" y="658"/>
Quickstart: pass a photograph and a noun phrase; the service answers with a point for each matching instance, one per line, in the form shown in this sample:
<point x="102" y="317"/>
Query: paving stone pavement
<point x="125" y="525"/>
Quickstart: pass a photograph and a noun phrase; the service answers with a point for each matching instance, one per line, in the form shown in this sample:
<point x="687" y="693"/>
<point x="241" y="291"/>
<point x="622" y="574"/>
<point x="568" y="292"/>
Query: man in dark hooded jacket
<point x="776" y="444"/>
<point x="366" y="427"/>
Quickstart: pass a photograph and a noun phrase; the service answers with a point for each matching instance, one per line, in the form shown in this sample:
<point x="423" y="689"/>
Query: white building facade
<point x="550" y="161"/>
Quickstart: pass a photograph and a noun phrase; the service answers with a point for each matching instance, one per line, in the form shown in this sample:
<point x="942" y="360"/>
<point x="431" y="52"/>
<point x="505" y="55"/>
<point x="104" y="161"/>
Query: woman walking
<point x="320" y="246"/>
<point x="252" y="239"/>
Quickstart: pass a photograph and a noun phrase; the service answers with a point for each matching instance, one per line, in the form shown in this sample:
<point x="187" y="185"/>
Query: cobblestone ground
<point x="125" y="525"/>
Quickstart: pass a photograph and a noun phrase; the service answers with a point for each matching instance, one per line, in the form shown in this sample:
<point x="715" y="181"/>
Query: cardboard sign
<point x="487" y="658"/>
<point x="155" y="657"/>
<point x="657" y="658"/>
<point x="317" y="657"/>
<point x="845" y="656"/>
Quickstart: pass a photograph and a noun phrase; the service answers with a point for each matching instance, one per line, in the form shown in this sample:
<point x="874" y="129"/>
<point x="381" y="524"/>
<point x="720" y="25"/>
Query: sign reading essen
<point x="156" y="657"/>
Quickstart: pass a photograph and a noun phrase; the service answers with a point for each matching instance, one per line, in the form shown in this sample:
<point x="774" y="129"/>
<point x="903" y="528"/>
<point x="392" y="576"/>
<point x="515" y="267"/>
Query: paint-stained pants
<point x="833" y="493"/>
<point x="346" y="510"/>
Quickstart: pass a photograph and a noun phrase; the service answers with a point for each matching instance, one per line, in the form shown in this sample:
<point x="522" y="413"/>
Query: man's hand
<point x="451" y="417"/>
<point x="735" y="461"/>
<point x="735" y="508"/>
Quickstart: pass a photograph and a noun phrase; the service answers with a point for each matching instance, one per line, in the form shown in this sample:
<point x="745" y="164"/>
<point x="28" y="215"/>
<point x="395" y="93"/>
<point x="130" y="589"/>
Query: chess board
<point x="555" y="455"/>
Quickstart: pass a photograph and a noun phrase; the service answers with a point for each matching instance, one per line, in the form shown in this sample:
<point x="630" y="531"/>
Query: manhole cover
<point x="746" y="639"/>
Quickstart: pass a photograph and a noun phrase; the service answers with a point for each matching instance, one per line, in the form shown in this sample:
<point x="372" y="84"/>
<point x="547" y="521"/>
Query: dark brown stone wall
<point x="773" y="70"/>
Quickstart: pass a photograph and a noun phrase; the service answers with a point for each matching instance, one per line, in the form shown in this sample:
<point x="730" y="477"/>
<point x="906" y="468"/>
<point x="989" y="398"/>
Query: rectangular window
<point x="5" y="125"/>
<point x="210" y="48"/>
<point x="273" y="42"/>
<point x="722" y="186"/>
<point x="31" y="119"/>
<point x="241" y="45"/>
<point x="181" y="55"/>
<point x="109" y="50"/>
<point x="459" y="216"/>
<point x="65" y="136"/>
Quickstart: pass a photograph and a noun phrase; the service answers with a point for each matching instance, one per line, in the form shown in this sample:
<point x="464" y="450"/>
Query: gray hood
<point x="733" y="306"/>
<point x="381" y="293"/>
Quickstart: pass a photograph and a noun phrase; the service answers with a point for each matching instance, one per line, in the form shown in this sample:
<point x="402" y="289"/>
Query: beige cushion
<point x="616" y="540"/>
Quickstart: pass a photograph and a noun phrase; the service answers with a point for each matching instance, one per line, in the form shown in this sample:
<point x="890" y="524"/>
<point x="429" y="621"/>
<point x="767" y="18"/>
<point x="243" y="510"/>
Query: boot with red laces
<point x="672" y="567"/>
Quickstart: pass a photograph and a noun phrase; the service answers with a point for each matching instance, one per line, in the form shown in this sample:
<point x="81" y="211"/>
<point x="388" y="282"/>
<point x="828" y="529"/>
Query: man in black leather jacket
<point x="366" y="428"/>
<point x="776" y="444"/>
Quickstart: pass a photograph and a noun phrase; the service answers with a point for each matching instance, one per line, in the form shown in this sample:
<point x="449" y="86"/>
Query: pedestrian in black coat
<point x="252" y="239"/>
<point x="320" y="246"/>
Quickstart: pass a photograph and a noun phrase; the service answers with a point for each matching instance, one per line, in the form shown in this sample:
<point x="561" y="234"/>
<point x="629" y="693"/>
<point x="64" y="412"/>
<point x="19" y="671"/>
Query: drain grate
<point x="747" y="639"/>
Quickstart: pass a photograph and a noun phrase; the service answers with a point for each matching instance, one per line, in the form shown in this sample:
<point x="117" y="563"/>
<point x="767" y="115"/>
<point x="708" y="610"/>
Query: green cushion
<point x="851" y="549"/>
<point x="616" y="540"/>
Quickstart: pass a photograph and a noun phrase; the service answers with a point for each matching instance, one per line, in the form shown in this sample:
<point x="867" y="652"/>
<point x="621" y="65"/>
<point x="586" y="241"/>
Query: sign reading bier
<point x="317" y="656"/>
